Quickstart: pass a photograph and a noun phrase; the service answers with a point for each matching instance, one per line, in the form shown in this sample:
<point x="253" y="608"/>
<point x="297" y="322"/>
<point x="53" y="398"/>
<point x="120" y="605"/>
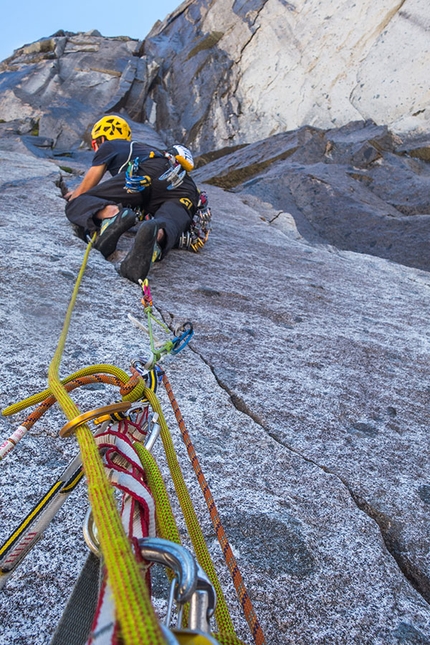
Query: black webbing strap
<point x="75" y="623"/>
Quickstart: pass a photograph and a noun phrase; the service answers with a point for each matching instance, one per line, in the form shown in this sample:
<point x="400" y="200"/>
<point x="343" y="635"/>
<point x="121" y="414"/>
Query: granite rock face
<point x="306" y="386"/>
<point x="233" y="72"/>
<point x="305" y="391"/>
<point x="220" y="73"/>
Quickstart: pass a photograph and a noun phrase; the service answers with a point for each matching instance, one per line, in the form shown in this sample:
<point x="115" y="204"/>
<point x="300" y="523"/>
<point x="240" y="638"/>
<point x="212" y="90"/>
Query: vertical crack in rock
<point x="389" y="528"/>
<point x="275" y="217"/>
<point x="246" y="44"/>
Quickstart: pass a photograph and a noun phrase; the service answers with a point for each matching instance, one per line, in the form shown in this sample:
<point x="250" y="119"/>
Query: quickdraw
<point x="174" y="345"/>
<point x="118" y="452"/>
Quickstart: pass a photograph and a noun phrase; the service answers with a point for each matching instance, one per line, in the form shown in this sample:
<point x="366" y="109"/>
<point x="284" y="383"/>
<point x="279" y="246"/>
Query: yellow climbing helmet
<point x="111" y="127"/>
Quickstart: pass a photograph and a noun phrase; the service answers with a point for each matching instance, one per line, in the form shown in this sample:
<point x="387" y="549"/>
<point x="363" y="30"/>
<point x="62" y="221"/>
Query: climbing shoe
<point x="111" y="230"/>
<point x="138" y="260"/>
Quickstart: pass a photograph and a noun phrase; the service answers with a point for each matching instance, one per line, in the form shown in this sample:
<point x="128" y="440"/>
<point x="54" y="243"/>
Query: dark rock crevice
<point x="245" y="45"/>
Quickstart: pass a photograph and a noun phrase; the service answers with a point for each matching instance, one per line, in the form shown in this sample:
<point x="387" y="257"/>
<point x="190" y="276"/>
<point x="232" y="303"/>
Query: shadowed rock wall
<point x="356" y="187"/>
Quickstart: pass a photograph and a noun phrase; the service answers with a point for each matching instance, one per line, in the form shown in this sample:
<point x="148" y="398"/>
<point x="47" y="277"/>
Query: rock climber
<point x="155" y="181"/>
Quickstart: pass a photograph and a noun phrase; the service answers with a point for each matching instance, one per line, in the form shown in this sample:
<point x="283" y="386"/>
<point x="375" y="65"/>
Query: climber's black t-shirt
<point x="116" y="154"/>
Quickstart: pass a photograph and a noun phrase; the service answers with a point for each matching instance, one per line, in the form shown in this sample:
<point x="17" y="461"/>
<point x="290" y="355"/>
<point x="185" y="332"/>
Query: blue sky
<point x="24" y="22"/>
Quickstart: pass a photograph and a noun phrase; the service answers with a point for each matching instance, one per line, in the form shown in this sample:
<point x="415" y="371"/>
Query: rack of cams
<point x="116" y="453"/>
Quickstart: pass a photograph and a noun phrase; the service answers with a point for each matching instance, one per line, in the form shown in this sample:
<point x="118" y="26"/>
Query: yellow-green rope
<point x="102" y="368"/>
<point x="166" y="523"/>
<point x="165" y="520"/>
<point x="138" y="622"/>
<point x="222" y="614"/>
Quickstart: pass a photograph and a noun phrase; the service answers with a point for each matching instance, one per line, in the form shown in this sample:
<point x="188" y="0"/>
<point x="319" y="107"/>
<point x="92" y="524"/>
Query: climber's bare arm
<point x="92" y="177"/>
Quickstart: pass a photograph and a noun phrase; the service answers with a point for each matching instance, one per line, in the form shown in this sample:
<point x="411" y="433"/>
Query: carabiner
<point x="179" y="342"/>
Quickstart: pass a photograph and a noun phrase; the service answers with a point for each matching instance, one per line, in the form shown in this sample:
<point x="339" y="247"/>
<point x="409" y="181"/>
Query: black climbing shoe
<point x="138" y="260"/>
<point x="111" y="230"/>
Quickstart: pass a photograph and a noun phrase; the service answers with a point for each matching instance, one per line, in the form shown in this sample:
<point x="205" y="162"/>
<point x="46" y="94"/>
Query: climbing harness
<point x="197" y="234"/>
<point x="180" y="162"/>
<point x="116" y="453"/>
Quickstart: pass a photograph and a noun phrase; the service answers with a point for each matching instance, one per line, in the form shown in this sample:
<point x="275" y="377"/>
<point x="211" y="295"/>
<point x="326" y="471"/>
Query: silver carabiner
<point x="191" y="584"/>
<point x="174" y="175"/>
<point x="153" y="433"/>
<point x="202" y="603"/>
<point x="175" y="557"/>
